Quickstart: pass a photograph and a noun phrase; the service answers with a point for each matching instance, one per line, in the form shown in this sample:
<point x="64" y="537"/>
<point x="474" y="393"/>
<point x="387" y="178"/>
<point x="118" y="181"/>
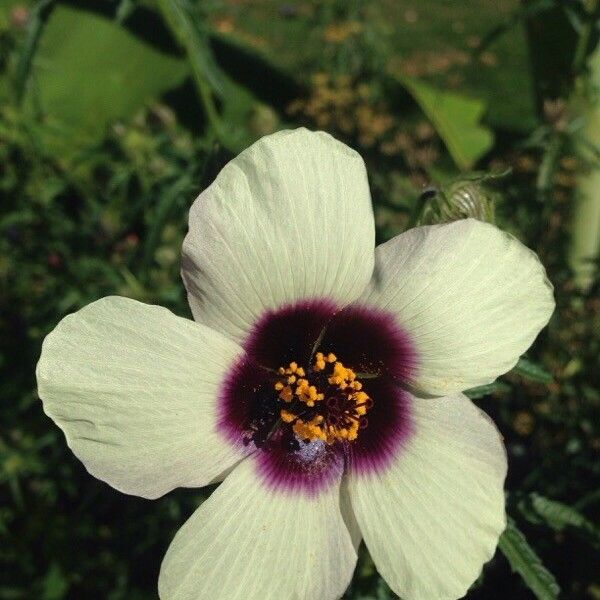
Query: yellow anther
<point x="308" y="393"/>
<point x="354" y="403"/>
<point x="287" y="417"/>
<point x="342" y="377"/>
<point x="302" y="388"/>
<point x="286" y="394"/>
<point x="309" y="431"/>
<point x="319" y="361"/>
<point x="360" y="397"/>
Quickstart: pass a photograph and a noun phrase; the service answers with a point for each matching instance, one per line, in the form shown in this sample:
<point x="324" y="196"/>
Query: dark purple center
<point x="366" y="340"/>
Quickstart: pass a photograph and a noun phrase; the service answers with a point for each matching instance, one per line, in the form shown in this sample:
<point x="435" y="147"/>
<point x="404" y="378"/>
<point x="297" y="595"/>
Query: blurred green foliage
<point x="456" y="119"/>
<point x="115" y="115"/>
<point x="82" y="95"/>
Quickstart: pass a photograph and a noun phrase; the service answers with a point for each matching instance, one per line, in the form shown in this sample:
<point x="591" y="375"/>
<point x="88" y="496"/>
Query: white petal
<point x="134" y="389"/>
<point x="433" y="518"/>
<point x="250" y="542"/>
<point x="289" y="218"/>
<point x="349" y="516"/>
<point x="471" y="297"/>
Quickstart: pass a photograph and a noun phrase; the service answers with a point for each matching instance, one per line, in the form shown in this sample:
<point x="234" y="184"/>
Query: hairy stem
<point x="585" y="241"/>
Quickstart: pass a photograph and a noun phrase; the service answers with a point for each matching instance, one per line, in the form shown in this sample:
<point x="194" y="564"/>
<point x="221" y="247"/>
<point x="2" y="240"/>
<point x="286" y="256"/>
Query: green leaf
<point x="531" y="370"/>
<point x="558" y="516"/>
<point x="163" y="208"/>
<point x="456" y="119"/>
<point x="485" y="390"/>
<point x="526" y="562"/>
<point x="55" y="584"/>
<point x="89" y="71"/>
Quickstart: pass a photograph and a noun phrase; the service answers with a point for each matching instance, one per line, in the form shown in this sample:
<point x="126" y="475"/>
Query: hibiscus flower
<point x="320" y="381"/>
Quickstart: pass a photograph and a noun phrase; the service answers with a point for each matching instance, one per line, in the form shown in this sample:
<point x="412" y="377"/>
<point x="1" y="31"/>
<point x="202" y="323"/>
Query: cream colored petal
<point x="134" y="389"/>
<point x="249" y="542"/>
<point x="433" y="518"/>
<point x="349" y="516"/>
<point x="289" y="218"/>
<point x="471" y="297"/>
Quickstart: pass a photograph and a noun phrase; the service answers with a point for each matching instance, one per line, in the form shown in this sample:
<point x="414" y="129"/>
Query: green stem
<point x="34" y="31"/>
<point x="583" y="42"/>
<point x="585" y="240"/>
<point x="183" y="25"/>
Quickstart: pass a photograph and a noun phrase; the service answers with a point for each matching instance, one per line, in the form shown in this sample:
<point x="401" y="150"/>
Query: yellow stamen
<point x="286" y="394"/>
<point x="319" y="361"/>
<point x="310" y="431"/>
<point x="360" y="397"/>
<point x="296" y="387"/>
<point x="287" y="417"/>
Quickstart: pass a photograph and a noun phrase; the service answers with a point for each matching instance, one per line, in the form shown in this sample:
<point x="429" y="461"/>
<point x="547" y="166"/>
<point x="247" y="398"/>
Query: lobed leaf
<point x="485" y="390"/>
<point x="89" y="71"/>
<point x="456" y="118"/>
<point x="559" y="516"/>
<point x="526" y="562"/>
<point x="533" y="371"/>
